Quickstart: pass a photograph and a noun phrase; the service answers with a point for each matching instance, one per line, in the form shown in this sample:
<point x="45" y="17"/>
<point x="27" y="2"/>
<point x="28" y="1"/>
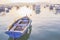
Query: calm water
<point x="44" y="27"/>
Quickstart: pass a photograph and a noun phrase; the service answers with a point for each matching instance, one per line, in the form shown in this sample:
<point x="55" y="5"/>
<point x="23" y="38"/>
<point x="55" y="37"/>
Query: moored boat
<point x="19" y="28"/>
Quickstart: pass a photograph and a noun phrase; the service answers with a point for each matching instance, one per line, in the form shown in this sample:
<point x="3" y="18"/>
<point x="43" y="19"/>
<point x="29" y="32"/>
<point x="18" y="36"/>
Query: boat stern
<point x="14" y="34"/>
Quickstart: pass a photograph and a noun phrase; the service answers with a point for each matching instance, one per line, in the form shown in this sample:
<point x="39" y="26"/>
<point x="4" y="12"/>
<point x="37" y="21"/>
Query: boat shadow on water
<point x="25" y="36"/>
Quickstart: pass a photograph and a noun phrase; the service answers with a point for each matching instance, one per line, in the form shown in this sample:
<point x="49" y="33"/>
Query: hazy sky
<point x="14" y="1"/>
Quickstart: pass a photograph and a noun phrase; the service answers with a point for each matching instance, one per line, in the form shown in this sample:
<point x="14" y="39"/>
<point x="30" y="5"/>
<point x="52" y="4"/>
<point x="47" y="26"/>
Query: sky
<point x="29" y="1"/>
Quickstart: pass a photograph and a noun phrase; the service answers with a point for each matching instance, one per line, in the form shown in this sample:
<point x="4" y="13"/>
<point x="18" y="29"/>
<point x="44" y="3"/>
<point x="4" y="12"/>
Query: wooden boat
<point x="19" y="28"/>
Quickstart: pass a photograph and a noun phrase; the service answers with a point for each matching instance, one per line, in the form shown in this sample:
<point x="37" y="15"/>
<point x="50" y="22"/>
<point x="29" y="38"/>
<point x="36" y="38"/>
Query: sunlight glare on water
<point x="23" y="11"/>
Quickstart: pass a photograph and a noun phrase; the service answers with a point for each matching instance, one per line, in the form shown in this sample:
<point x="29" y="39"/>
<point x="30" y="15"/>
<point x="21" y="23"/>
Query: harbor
<point x="45" y="21"/>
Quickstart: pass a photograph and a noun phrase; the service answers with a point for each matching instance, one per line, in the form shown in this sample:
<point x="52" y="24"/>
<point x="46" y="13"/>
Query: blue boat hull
<point x="17" y="34"/>
<point x="14" y="34"/>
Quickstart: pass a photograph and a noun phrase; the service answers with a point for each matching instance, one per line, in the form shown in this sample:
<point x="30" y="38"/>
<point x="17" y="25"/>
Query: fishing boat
<point x="19" y="28"/>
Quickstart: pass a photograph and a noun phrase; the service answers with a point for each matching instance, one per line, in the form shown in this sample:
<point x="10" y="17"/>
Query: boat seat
<point x="18" y="28"/>
<point x="22" y="25"/>
<point x="26" y="21"/>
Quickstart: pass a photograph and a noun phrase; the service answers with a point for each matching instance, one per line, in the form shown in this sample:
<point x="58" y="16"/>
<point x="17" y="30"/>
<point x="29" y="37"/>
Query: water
<point x="45" y="26"/>
<point x="3" y="36"/>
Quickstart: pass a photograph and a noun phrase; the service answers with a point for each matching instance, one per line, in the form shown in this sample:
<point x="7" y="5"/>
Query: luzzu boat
<point x="19" y="28"/>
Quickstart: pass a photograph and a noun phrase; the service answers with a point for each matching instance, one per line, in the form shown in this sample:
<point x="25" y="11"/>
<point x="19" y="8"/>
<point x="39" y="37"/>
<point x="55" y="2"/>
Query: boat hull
<point x="16" y="34"/>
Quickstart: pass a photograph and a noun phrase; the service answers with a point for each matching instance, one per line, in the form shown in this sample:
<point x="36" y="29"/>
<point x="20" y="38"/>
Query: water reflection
<point x="24" y="37"/>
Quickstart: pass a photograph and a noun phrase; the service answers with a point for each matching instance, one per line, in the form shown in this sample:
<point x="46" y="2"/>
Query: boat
<point x="19" y="28"/>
